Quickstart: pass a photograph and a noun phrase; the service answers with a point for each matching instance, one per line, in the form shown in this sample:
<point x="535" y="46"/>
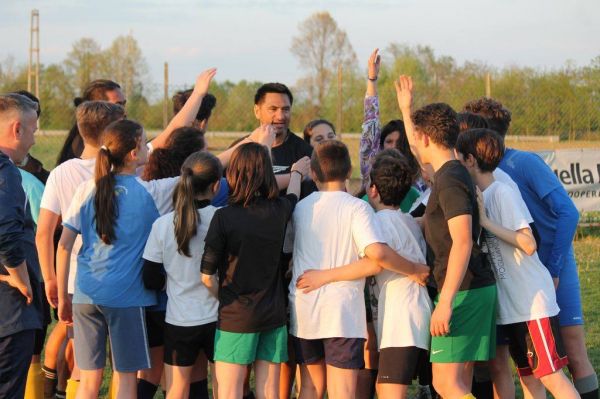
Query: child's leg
<point x="532" y="387"/>
<point x="287" y="372"/>
<point x="398" y="366"/>
<point x="449" y="379"/>
<point x="312" y="380"/>
<point x="199" y="376"/>
<point x="341" y="383"/>
<point x="231" y="379"/>
<point x="178" y="381"/>
<point x="391" y="391"/>
<point x="266" y="379"/>
<point x="89" y="384"/>
<point x="501" y="373"/>
<point x="127" y="384"/>
<point x="343" y="357"/>
<point x="559" y="385"/>
<point x="367" y="377"/>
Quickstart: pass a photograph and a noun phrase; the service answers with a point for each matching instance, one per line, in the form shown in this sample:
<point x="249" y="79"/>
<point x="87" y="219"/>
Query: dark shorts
<point x="400" y="365"/>
<point x="343" y="353"/>
<point x="155" y="327"/>
<point x="535" y="346"/>
<point x="183" y="344"/>
<point x="15" y="357"/>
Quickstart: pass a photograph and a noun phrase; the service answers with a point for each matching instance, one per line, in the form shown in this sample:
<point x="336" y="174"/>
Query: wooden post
<point x="488" y="85"/>
<point x="339" y="101"/>
<point x="33" y="69"/>
<point x="166" y="96"/>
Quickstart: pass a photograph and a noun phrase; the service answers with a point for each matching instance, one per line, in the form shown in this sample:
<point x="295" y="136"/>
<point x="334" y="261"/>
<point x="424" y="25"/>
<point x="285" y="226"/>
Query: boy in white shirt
<point x="333" y="228"/>
<point x="527" y="310"/>
<point x="401" y="307"/>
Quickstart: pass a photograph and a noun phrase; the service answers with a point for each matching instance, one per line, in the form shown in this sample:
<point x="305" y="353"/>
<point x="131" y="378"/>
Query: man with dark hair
<point x="208" y="104"/>
<point x="555" y="217"/>
<point x="273" y="106"/>
<point x="20" y="278"/>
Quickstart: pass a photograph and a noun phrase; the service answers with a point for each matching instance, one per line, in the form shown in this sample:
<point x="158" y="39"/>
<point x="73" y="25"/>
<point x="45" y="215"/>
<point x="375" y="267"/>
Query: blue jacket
<point x="17" y="244"/>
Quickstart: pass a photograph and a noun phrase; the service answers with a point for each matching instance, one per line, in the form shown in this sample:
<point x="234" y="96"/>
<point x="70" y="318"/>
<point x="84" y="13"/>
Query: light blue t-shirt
<point x="34" y="189"/>
<point x="111" y="275"/>
<point x="554" y="214"/>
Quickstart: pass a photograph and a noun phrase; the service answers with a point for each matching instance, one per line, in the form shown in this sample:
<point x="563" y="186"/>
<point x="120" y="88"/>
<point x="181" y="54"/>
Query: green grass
<point x="587" y="243"/>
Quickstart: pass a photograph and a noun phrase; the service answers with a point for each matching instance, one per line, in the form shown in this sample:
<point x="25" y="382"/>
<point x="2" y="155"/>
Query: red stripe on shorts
<point x="544" y="343"/>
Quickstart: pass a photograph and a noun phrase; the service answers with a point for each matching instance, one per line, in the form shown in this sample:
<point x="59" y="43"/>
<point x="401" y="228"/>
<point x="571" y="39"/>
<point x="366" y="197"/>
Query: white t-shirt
<point x="58" y="194"/>
<point x="401" y="307"/>
<point x="504" y="177"/>
<point x="331" y="229"/>
<point x="190" y="303"/>
<point x="525" y="288"/>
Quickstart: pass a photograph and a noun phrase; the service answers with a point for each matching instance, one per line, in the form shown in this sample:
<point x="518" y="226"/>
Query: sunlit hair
<point x="438" y="122"/>
<point x="199" y="171"/>
<point x="485" y="145"/>
<point x="96" y="91"/>
<point x="94" y="116"/>
<point x="469" y="120"/>
<point x="330" y="161"/>
<point x="279" y="88"/>
<point x="120" y="138"/>
<point x="250" y="175"/>
<point x="497" y="116"/>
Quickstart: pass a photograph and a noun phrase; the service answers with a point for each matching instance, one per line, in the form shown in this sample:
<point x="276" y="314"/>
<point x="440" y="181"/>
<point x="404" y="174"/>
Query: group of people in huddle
<point x="454" y="257"/>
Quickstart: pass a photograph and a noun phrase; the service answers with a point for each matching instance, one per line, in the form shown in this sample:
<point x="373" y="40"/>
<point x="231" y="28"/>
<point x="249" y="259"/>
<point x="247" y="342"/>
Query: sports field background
<point x="587" y="241"/>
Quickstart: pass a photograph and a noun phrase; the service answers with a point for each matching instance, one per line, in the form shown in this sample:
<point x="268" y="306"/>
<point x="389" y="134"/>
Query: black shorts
<point x="155" y="327"/>
<point x="400" y="365"/>
<point x="183" y="344"/>
<point x="343" y="353"/>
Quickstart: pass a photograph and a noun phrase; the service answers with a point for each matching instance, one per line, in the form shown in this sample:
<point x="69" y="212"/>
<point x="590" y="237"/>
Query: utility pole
<point x="488" y="85"/>
<point x="339" y="101"/>
<point x="166" y="96"/>
<point x="34" y="53"/>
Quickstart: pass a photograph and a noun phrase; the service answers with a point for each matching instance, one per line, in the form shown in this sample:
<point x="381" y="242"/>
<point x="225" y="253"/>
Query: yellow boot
<point x="34" y="389"/>
<point x="72" y="388"/>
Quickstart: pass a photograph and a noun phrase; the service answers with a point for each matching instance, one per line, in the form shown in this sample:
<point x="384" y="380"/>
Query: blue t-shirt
<point x="220" y="199"/>
<point x="111" y="275"/>
<point x="553" y="212"/>
<point x="34" y="189"/>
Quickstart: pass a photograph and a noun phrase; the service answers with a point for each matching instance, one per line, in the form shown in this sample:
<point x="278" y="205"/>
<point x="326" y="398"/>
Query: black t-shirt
<point x="290" y="151"/>
<point x="243" y="245"/>
<point x="453" y="194"/>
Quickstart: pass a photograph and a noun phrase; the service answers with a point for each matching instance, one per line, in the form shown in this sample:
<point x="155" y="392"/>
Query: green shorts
<point x="472" y="334"/>
<point x="245" y="348"/>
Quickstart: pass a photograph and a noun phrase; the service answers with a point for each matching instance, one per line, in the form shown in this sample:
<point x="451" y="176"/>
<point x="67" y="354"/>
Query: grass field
<point x="587" y="243"/>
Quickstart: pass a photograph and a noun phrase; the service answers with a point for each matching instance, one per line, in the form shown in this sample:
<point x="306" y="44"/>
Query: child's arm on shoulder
<point x="522" y="238"/>
<point x="311" y="280"/>
<point x="389" y="259"/>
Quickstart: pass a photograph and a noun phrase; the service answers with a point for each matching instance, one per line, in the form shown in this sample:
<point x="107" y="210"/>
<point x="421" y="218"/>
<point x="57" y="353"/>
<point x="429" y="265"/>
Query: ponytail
<point x="104" y="200"/>
<point x="120" y="137"/>
<point x="199" y="171"/>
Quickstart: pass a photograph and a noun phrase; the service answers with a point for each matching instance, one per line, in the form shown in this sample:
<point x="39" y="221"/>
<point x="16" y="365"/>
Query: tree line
<point x="563" y="101"/>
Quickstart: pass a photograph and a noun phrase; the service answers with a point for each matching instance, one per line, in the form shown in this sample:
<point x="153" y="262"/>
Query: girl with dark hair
<point x="175" y="248"/>
<point x="113" y="213"/>
<point x="319" y="130"/>
<point x="243" y="246"/>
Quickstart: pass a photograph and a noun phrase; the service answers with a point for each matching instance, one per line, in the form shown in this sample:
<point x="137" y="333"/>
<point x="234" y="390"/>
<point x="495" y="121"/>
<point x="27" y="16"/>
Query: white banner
<point x="579" y="173"/>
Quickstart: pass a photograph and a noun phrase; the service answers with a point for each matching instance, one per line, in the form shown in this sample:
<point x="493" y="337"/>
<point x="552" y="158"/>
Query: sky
<point x="251" y="39"/>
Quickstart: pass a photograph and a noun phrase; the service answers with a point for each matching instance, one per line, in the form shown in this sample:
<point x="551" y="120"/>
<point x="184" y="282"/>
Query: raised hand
<point x="203" y="80"/>
<point x="420" y="274"/>
<point x="264" y="134"/>
<point x="440" y="319"/>
<point x="374" y="64"/>
<point x="404" y="93"/>
<point x="65" y="310"/>
<point x="51" y="289"/>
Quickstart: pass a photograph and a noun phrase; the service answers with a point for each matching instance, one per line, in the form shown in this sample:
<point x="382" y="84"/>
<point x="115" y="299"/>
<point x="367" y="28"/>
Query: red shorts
<point x="536" y="346"/>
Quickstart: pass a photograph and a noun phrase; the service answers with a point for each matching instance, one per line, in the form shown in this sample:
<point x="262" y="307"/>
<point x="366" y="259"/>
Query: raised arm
<point x="371" y="127"/>
<point x="404" y="95"/>
<point x="188" y="113"/>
